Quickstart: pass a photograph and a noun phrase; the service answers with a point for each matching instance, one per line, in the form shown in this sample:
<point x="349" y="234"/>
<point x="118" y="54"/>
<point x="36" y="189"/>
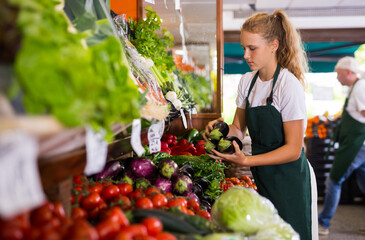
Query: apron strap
<point x="251" y="86"/>
<point x="269" y="100"/>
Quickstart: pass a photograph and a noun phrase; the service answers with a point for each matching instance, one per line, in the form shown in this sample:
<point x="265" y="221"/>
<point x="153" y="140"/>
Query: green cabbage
<point x="224" y="236"/>
<point x="278" y="230"/>
<point x="242" y="210"/>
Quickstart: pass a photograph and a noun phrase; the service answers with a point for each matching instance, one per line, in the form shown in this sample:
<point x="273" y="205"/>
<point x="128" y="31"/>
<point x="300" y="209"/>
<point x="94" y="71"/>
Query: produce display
<point x="120" y="72"/>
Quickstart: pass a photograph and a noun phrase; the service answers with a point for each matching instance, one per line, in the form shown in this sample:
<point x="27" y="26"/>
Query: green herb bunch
<point x="148" y="42"/>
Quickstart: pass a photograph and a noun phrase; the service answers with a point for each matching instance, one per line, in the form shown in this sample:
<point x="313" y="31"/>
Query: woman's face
<point x="258" y="52"/>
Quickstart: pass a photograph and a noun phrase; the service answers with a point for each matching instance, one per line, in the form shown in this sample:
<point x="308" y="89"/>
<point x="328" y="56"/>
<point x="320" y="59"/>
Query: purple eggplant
<point x="225" y="145"/>
<point x="163" y="184"/>
<point x="220" y="130"/>
<point x="168" y="168"/>
<point x="186" y="170"/>
<point x="182" y="184"/>
<point x="191" y="195"/>
<point x="202" y="182"/>
<point x="111" y="169"/>
<point x="143" y="168"/>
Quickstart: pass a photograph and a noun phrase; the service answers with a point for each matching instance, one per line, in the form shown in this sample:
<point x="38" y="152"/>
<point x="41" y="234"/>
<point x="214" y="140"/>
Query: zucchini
<point x="172" y="222"/>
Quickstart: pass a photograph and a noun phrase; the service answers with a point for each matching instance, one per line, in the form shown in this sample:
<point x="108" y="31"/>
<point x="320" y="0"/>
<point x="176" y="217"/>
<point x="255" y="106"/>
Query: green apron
<point x="351" y="138"/>
<point x="286" y="185"/>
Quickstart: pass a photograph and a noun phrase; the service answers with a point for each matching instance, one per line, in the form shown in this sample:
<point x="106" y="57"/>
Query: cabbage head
<point x="242" y="210"/>
<point x="278" y="230"/>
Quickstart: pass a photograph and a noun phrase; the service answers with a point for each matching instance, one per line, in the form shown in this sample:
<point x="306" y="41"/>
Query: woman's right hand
<point x="209" y="128"/>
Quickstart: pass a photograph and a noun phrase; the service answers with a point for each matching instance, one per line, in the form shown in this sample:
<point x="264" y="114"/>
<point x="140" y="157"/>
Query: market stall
<point x="101" y="131"/>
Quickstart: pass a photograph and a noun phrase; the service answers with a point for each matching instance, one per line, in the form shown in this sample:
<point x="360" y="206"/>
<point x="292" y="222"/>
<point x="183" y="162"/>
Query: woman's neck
<point x="267" y="73"/>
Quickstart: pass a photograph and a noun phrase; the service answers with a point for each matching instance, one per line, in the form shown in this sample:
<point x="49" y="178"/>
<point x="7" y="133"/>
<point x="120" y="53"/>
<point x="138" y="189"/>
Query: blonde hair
<point x="290" y="53"/>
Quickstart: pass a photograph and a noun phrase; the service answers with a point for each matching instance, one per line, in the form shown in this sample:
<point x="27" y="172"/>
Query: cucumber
<point x="170" y="221"/>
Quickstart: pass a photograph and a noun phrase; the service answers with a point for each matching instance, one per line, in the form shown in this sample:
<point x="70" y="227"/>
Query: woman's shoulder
<point x="289" y="80"/>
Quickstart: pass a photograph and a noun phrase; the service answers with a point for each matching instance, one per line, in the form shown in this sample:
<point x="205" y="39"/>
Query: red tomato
<point x="91" y="201"/>
<point x="80" y="179"/>
<point x="136" y="194"/>
<point x="126" y="203"/>
<point x="50" y="235"/>
<point x="77" y="188"/>
<point x="204" y="214"/>
<point x="144" y="202"/>
<point x="159" y="200"/>
<point x="52" y="224"/>
<point x="97" y="188"/>
<point x="107" y="229"/>
<point x="115" y="214"/>
<point x="11" y="232"/>
<point x="165" y="236"/>
<point x="169" y="195"/>
<point x="193" y="204"/>
<point x="190" y="212"/>
<point x="110" y="192"/>
<point x="94" y="213"/>
<point x="59" y="211"/>
<point x="177" y="202"/>
<point x="81" y="229"/>
<point x="151" y="191"/>
<point x="247" y="179"/>
<point x="125" y="188"/>
<point x="41" y="215"/>
<point x="153" y="225"/>
<point x="131" y="232"/>
<point x="78" y="213"/>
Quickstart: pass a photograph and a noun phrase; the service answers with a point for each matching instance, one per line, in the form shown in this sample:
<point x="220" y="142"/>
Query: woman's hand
<point x="209" y="128"/>
<point x="237" y="157"/>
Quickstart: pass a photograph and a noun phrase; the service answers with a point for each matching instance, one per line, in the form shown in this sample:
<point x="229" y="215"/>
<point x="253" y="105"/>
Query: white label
<point x="20" y="184"/>
<point x="136" y="137"/>
<point x="155" y="132"/>
<point x="177" y="5"/>
<point x="96" y="151"/>
<point x="183" y="118"/>
<point x="150" y="1"/>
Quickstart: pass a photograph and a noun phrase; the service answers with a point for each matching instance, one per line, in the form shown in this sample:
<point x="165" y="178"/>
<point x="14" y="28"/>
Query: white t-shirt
<point x="288" y="96"/>
<point x="357" y="101"/>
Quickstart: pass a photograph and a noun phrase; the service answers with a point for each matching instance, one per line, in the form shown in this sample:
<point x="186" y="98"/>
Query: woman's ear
<point x="275" y="45"/>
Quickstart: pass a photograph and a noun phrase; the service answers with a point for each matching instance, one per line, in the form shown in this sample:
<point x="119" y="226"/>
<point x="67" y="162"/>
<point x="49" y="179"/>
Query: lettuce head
<point x="242" y="210"/>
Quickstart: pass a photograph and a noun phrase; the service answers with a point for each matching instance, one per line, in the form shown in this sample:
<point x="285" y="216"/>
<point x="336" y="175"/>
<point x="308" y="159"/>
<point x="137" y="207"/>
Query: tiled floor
<point x="346" y="222"/>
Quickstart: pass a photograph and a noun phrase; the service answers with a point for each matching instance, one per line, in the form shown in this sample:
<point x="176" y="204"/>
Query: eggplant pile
<point x="219" y="140"/>
<point x="167" y="176"/>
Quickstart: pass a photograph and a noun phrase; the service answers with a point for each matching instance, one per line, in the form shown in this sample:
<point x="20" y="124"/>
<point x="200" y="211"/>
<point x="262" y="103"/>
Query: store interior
<point x="97" y="95"/>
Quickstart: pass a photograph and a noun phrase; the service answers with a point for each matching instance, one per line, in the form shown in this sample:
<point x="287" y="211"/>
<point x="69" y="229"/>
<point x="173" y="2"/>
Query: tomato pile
<point x="90" y="198"/>
<point x="244" y="181"/>
<point x="49" y="222"/>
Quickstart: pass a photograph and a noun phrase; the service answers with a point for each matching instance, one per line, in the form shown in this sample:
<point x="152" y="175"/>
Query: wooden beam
<point x="315" y="35"/>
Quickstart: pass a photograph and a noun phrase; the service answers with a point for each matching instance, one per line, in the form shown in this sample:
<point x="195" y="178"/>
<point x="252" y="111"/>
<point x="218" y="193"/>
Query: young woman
<point x="271" y="104"/>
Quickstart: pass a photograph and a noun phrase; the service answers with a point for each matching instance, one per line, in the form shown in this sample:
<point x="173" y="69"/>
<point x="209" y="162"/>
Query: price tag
<point x="155" y="132"/>
<point x="96" y="151"/>
<point x="136" y="137"/>
<point x="183" y="118"/>
<point x="20" y="185"/>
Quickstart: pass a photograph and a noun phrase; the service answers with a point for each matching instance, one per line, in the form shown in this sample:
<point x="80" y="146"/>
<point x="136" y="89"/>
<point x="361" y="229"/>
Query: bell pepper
<point x="183" y="142"/>
<point x="191" y="135"/>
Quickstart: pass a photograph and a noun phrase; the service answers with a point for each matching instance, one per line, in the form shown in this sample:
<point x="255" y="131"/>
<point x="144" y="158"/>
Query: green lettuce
<point x="242" y="210"/>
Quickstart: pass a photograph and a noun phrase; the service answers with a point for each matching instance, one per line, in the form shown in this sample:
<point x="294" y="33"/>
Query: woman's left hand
<point x="237" y="157"/>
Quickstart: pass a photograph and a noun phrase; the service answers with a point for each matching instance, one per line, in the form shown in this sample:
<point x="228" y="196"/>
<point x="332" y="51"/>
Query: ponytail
<point x="290" y="53"/>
